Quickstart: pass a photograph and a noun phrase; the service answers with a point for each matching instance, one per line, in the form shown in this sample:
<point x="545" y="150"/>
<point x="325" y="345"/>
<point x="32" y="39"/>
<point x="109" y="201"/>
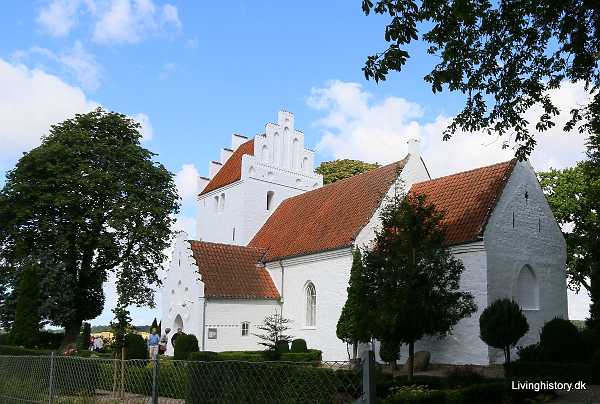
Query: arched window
<point x="276" y="148"/>
<point x="311" y="305"/>
<point x="216" y="203"/>
<point x="265" y="153"/>
<point x="528" y="290"/>
<point x="222" y="203"/>
<point x="270" y="195"/>
<point x="295" y="152"/>
<point x="305" y="167"/>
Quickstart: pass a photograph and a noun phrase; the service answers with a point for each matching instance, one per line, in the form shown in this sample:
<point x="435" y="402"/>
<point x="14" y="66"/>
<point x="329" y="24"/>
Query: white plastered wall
<point x="534" y="240"/>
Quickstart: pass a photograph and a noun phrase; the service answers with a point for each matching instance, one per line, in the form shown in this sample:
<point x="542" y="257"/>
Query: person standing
<point x="153" y="341"/>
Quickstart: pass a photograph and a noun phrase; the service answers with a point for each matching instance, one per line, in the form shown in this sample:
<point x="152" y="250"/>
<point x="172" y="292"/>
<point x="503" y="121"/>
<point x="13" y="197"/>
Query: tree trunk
<point x="594" y="319"/>
<point x="411" y="360"/>
<point x="71" y="335"/>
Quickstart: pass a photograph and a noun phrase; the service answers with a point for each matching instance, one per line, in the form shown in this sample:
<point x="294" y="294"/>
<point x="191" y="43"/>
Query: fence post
<point x="51" y="380"/>
<point x="155" y="373"/>
<point x="367" y="360"/>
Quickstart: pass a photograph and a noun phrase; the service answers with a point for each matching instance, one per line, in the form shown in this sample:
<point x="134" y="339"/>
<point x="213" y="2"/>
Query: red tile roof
<point x="467" y="198"/>
<point x="232" y="169"/>
<point x="327" y="218"/>
<point x="230" y="271"/>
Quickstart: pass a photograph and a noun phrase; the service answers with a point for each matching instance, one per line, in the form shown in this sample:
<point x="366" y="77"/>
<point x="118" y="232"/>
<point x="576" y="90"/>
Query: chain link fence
<point x="58" y="379"/>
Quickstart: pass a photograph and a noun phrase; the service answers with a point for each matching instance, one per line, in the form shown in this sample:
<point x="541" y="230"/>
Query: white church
<point x="271" y="237"/>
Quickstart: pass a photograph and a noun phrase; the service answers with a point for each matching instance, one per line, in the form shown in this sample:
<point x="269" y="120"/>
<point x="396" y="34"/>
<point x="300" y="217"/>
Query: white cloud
<point x="356" y="126"/>
<point x="32" y="100"/>
<point x="114" y="21"/>
<point x="186" y="181"/>
<point x="146" y="130"/>
<point x="58" y="17"/>
<point x="76" y="61"/>
<point x="129" y="21"/>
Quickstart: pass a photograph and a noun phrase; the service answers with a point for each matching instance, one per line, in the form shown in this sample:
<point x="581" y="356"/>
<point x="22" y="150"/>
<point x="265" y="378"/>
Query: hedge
<point x="20" y="351"/>
<point x="552" y="371"/>
<point x="493" y="392"/>
<point x="312" y="355"/>
<point x="266" y="382"/>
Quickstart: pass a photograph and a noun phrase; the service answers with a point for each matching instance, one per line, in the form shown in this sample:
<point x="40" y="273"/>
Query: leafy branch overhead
<point x="504" y="57"/>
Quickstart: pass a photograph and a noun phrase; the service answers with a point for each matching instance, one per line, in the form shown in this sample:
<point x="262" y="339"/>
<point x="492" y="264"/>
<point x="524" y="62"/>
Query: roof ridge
<point x="257" y="249"/>
<point x="513" y="160"/>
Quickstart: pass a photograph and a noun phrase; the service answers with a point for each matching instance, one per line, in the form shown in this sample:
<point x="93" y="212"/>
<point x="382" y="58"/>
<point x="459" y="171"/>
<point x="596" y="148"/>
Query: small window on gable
<point x="265" y="153"/>
<point x="245" y="328"/>
<point x="311" y="305"/>
<point x="305" y="167"/>
<point x="270" y="196"/>
<point x="216" y="203"/>
<point x="222" y="203"/>
<point x="528" y="290"/>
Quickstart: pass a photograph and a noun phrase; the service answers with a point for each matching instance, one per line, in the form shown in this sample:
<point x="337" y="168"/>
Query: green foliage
<point x="298" y="345"/>
<point x="413" y="279"/>
<point x="591" y="340"/>
<point x="530" y="353"/>
<point x="85" y="336"/>
<point x="154" y="326"/>
<point x="186" y="344"/>
<point x="274" y="326"/>
<point x="311" y="355"/>
<point x="135" y="346"/>
<point x="336" y="170"/>
<point x="18" y="351"/>
<point x="119" y="327"/>
<point x="118" y="221"/>
<point x="389" y="351"/>
<point x="502" y="324"/>
<point x="26" y="327"/>
<point x="560" y="341"/>
<point x="353" y="324"/>
<point x="504" y="57"/>
<point x="283" y="346"/>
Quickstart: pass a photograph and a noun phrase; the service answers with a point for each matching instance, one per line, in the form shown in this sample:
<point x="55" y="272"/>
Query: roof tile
<point x="232" y="169"/>
<point x="230" y="271"/>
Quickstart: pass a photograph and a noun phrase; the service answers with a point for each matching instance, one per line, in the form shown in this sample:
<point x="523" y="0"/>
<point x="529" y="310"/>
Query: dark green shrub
<point x="462" y="376"/>
<point x="415" y="395"/>
<point x="596" y="368"/>
<point x="560" y="341"/>
<point x="19" y="351"/>
<point x="530" y="353"/>
<point x="135" y="346"/>
<point x="283" y="347"/>
<point x="5" y="338"/>
<point x="298" y="345"/>
<point x="75" y="375"/>
<point x="203" y="356"/>
<point x="502" y="324"/>
<point x="591" y="341"/>
<point x="186" y="344"/>
<point x="552" y="371"/>
<point x="50" y="340"/>
<point x="311" y="355"/>
<point x="389" y="352"/>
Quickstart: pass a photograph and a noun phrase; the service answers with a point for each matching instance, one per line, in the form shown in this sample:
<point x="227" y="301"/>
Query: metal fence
<point x="59" y="379"/>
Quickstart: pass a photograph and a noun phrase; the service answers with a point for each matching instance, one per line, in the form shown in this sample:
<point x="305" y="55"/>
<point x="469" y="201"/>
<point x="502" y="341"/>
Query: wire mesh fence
<point x="57" y="379"/>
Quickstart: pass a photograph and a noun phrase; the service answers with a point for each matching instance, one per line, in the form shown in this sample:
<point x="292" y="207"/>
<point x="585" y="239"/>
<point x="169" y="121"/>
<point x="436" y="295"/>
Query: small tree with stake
<point x="275" y="327"/>
<point x="413" y="279"/>
<point x="502" y="324"/>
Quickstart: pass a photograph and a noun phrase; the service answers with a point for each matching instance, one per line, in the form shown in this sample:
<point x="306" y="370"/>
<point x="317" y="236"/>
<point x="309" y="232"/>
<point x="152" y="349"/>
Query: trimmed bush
<point x="19" y="351"/>
<point x="502" y="324"/>
<point x="560" y="341"/>
<point x="186" y="344"/>
<point x="283" y="347"/>
<point x="203" y="356"/>
<point x="390" y="352"/>
<point x="530" y="353"/>
<point x="298" y="345"/>
<point x="591" y="341"/>
<point x="135" y="347"/>
<point x="311" y="355"/>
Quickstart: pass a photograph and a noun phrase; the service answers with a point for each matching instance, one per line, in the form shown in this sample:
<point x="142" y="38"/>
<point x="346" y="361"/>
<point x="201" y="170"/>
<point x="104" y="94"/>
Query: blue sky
<point x="194" y="72"/>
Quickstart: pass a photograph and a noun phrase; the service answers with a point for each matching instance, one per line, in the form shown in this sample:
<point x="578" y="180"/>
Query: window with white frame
<point x="245" y="328"/>
<point x="311" y="305"/>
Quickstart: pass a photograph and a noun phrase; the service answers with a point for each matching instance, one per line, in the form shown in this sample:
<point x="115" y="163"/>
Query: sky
<point x="192" y="73"/>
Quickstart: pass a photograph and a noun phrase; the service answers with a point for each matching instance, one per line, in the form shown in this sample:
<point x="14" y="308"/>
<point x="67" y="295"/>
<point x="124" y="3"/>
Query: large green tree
<point x="352" y="326"/>
<point x="336" y="170"/>
<point x="412" y="277"/>
<point x="90" y="200"/>
<point x="504" y="56"/>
